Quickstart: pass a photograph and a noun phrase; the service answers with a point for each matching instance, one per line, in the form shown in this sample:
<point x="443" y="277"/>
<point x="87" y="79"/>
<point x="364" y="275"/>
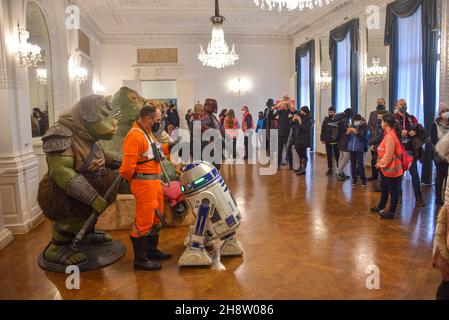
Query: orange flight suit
<point x="148" y="193"/>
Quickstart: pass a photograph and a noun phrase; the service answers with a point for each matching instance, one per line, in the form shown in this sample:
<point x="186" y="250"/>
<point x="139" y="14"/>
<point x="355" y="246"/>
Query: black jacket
<point x="173" y="117"/>
<point x="283" y="122"/>
<point x="343" y="124"/>
<point x="302" y="133"/>
<point x="327" y="130"/>
<point x="377" y="135"/>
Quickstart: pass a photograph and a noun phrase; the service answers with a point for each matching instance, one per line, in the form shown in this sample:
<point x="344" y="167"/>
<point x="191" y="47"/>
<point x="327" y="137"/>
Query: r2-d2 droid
<point x="217" y="215"/>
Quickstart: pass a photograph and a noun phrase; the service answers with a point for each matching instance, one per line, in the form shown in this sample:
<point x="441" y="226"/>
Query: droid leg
<point x="195" y="254"/>
<point x="231" y="246"/>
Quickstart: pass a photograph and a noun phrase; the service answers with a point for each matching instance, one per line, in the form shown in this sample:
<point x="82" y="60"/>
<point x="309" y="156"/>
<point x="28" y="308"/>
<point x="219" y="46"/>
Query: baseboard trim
<point x="6" y="237"/>
<point x="28" y="226"/>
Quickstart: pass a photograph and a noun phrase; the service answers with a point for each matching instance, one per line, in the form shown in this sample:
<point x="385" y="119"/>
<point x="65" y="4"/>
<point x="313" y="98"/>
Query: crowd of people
<point x="394" y="140"/>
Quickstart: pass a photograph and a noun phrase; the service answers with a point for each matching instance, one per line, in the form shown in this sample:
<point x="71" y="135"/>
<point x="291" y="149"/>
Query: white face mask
<point x="356" y="123"/>
<point x="446" y="115"/>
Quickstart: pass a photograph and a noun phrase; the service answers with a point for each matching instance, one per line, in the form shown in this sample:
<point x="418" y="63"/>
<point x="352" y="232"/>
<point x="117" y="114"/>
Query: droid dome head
<point x="197" y="176"/>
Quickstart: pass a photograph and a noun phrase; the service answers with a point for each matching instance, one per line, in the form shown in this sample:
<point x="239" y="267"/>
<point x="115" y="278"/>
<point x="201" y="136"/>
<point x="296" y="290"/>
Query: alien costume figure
<point x="80" y="172"/>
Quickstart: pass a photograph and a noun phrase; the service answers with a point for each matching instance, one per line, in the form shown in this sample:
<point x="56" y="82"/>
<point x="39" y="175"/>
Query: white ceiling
<point x="121" y="18"/>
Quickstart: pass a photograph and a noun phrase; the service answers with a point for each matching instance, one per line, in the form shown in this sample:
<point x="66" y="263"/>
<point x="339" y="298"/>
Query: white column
<point x="19" y="168"/>
<point x="318" y="112"/>
<point x="5" y="234"/>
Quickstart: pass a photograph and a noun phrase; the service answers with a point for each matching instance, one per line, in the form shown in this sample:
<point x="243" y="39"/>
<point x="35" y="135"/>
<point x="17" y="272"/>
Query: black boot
<point x="141" y="261"/>
<point x="443" y="291"/>
<point x="153" y="252"/>
<point x="303" y="169"/>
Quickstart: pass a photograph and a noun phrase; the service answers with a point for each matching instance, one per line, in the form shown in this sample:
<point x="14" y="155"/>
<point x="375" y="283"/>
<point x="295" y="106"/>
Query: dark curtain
<point x="337" y="35"/>
<point x="401" y="9"/>
<point x="301" y="51"/>
<point x="404" y="9"/>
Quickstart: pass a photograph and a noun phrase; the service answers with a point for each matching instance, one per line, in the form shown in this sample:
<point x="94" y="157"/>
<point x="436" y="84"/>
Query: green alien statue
<point x="80" y="171"/>
<point x="127" y="103"/>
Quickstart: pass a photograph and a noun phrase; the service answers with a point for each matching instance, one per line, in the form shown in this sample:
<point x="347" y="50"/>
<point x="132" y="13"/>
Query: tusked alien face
<point x="96" y="113"/>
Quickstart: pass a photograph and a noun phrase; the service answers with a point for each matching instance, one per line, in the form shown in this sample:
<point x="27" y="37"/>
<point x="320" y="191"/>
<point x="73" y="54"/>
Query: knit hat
<point x="443" y="107"/>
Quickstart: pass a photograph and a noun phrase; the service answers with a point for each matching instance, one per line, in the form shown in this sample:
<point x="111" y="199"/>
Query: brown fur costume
<point x="440" y="248"/>
<point x="57" y="205"/>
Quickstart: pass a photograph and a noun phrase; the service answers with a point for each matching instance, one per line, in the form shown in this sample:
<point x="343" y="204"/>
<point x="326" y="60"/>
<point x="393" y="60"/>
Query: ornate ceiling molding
<point x="149" y="39"/>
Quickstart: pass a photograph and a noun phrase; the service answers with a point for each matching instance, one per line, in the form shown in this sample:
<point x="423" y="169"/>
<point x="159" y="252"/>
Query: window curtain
<point x="409" y="64"/>
<point x="305" y="69"/>
<point x="305" y="81"/>
<point x="343" y="75"/>
<point x="346" y="33"/>
<point x="428" y="12"/>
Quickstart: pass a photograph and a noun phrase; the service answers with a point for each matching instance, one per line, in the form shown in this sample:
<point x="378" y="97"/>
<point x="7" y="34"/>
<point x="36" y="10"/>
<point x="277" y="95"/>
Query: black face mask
<point x="156" y="127"/>
<point x="380" y="107"/>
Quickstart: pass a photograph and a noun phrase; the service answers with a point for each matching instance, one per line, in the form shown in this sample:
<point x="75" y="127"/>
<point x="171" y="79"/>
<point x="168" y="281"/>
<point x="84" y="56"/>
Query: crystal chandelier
<point x="98" y="88"/>
<point x="28" y="55"/>
<point x="325" y="80"/>
<point x="79" y="74"/>
<point x="239" y="86"/>
<point x="291" y="4"/>
<point x="217" y="54"/>
<point x="41" y="76"/>
<point x="376" y="73"/>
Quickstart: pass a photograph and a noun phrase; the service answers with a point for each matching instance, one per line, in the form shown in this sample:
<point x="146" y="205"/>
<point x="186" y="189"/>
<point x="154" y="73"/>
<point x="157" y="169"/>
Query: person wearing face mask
<point x="329" y="137"/>
<point x="302" y="124"/>
<point x="411" y="132"/>
<point x="373" y="125"/>
<point x="140" y="168"/>
<point x="343" y="120"/>
<point x="247" y="127"/>
<point x="376" y="137"/>
<point x="358" y="137"/>
<point x="390" y="166"/>
<point x="439" y="129"/>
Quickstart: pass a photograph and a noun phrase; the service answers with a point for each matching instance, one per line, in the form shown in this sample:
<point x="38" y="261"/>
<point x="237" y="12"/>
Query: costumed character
<point x="209" y="121"/>
<point x="217" y="214"/>
<point x="127" y="103"/>
<point x="142" y="156"/>
<point x="80" y="172"/>
<point x="441" y="241"/>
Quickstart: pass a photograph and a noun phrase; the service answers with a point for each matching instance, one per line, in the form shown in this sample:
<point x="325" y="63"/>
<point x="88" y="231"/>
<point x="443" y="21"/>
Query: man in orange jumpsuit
<point x="144" y="174"/>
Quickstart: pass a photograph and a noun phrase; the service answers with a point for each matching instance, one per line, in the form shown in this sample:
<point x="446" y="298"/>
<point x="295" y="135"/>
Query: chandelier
<point x="28" y="55"/>
<point x="291" y="4"/>
<point x="325" y="80"/>
<point x="41" y="76"/>
<point x="79" y="74"/>
<point x="239" y="86"/>
<point x="98" y="88"/>
<point x="217" y="54"/>
<point x="376" y="73"/>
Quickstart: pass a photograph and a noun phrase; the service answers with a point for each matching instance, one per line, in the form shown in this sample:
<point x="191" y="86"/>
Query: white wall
<point x="268" y="67"/>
